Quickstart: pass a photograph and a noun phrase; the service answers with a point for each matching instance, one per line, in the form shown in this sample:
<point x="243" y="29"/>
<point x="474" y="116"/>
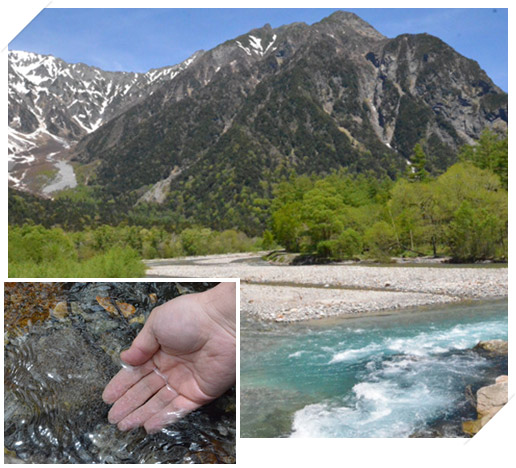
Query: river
<point x="65" y="178"/>
<point x="383" y="376"/>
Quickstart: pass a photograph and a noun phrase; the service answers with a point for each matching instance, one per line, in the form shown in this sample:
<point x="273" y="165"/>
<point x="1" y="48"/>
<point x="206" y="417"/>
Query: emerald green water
<point x="384" y="376"/>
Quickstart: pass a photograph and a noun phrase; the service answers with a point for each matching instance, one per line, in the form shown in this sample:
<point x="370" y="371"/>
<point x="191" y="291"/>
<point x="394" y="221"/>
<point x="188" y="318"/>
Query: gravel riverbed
<point x="294" y="293"/>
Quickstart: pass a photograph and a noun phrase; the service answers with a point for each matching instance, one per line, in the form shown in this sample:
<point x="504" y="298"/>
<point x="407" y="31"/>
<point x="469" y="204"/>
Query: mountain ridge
<point x="308" y="98"/>
<point x="52" y="104"/>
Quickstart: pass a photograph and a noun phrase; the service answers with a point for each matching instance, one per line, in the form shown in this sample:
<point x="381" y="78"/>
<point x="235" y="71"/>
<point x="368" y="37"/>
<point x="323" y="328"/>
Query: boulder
<point x="499" y="347"/>
<point x="490" y="400"/>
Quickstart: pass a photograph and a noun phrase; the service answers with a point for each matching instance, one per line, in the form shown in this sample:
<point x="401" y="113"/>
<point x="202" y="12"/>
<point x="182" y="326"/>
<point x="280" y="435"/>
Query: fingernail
<point x="124" y="426"/>
<point x="112" y="419"/>
<point x="107" y="398"/>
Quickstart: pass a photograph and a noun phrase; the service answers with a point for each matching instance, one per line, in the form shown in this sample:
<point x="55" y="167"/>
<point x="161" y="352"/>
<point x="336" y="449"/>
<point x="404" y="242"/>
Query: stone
<point x="139" y="319"/>
<point x="472" y="427"/>
<point x="60" y="311"/>
<point x="492" y="398"/>
<point x="127" y="310"/>
<point x="499" y="347"/>
<point x="106" y="303"/>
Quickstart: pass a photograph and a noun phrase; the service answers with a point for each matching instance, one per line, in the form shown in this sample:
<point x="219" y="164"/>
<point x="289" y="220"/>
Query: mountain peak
<point x="347" y="21"/>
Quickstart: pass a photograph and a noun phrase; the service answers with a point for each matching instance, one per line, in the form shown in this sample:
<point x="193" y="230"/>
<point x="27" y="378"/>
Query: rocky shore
<point x="295" y="293"/>
<point x="491" y="398"/>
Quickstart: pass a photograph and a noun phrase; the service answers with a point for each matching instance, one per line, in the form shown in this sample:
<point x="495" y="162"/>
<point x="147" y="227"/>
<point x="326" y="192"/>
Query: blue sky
<point x="140" y="39"/>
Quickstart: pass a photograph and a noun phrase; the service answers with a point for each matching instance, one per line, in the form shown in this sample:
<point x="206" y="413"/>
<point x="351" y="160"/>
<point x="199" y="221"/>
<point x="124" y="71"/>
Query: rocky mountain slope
<point x="52" y="104"/>
<point x="337" y="93"/>
<point x="309" y="98"/>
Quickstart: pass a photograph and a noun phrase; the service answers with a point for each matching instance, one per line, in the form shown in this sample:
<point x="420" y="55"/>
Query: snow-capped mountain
<point x="309" y="98"/>
<point x="52" y="104"/>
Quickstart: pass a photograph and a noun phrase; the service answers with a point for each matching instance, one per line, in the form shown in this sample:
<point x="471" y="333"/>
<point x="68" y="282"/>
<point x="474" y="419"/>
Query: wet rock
<point x="140" y="319"/>
<point x="29" y="303"/>
<point x="497" y="347"/>
<point x="127" y="310"/>
<point x="56" y="370"/>
<point x="106" y="303"/>
<point x="54" y="379"/>
<point x="60" y="311"/>
<point x="490" y="400"/>
<point x="473" y="427"/>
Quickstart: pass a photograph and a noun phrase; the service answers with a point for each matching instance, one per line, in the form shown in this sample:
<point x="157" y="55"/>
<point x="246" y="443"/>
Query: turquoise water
<point x="384" y="376"/>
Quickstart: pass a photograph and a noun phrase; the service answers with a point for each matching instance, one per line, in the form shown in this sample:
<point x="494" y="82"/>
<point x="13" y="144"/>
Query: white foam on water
<point x="376" y="392"/>
<point x="352" y="354"/>
<point x="318" y="420"/>
<point x="379" y="407"/>
<point x="393" y="380"/>
<point x="462" y="336"/>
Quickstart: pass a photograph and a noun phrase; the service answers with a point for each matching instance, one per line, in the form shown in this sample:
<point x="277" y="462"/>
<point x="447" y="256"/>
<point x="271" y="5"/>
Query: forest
<point x="461" y="213"/>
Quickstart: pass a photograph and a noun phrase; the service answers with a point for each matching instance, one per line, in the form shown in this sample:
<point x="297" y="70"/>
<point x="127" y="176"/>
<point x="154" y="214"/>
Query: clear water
<point x="55" y="372"/>
<point x="387" y="376"/>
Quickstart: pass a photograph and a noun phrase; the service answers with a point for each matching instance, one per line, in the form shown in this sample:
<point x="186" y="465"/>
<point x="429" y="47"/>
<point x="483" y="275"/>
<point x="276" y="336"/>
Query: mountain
<point x="209" y="143"/>
<point x="52" y="104"/>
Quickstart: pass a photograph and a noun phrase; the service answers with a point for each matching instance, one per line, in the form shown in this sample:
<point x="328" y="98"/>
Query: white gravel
<point x="279" y="292"/>
<point x="292" y="304"/>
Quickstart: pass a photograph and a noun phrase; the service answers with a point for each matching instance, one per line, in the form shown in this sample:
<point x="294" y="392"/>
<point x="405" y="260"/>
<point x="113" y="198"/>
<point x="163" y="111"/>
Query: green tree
<point x="490" y="152"/>
<point x="322" y="213"/>
<point x="196" y="241"/>
<point x="416" y="219"/>
<point x="473" y="234"/>
<point x="287" y="225"/>
<point x="268" y="240"/>
<point x="416" y="170"/>
<point x="347" y="245"/>
<point x="381" y="241"/>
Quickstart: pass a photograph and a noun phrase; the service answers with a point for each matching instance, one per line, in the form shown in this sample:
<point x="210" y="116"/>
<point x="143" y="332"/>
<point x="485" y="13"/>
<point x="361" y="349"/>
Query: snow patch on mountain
<point x="255" y="45"/>
<point x="53" y="101"/>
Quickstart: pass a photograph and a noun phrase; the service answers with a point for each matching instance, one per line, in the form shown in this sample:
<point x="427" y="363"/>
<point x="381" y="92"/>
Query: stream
<point x="384" y="376"/>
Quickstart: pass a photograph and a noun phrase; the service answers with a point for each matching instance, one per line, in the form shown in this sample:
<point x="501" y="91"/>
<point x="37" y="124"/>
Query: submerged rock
<point x="55" y="374"/>
<point x="60" y="311"/>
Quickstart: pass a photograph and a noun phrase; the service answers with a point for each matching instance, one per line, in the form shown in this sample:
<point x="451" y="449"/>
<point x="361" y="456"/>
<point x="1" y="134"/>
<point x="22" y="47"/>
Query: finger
<point x="180" y="377"/>
<point x="178" y="408"/>
<point x="124" y="380"/>
<point x="143" y="347"/>
<point x="136" y="396"/>
<point x="156" y="404"/>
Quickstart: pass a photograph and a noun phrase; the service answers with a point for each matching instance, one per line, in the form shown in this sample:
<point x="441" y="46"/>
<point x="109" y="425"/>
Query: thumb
<point x="143" y="347"/>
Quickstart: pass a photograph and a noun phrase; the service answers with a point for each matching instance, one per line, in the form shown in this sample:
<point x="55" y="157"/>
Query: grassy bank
<point x="110" y="251"/>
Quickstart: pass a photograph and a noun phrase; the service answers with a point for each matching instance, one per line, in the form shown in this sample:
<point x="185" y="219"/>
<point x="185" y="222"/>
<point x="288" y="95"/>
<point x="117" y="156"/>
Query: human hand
<point x="183" y="358"/>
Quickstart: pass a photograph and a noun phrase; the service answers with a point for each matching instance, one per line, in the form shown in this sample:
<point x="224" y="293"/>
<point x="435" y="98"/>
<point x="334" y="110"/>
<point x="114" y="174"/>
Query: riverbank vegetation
<point x="461" y="213"/>
<point x="110" y="251"/>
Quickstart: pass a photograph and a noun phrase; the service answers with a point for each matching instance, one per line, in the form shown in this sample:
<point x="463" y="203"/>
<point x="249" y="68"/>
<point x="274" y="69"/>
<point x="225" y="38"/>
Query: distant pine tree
<point x="416" y="170"/>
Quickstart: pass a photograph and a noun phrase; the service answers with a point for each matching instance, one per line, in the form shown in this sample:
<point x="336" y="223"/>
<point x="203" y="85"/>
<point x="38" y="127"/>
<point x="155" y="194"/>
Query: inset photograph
<point x="373" y="351"/>
<point x="140" y="372"/>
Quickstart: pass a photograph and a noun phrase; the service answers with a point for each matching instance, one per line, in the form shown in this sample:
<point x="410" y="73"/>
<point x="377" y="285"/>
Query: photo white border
<point x="493" y="443"/>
